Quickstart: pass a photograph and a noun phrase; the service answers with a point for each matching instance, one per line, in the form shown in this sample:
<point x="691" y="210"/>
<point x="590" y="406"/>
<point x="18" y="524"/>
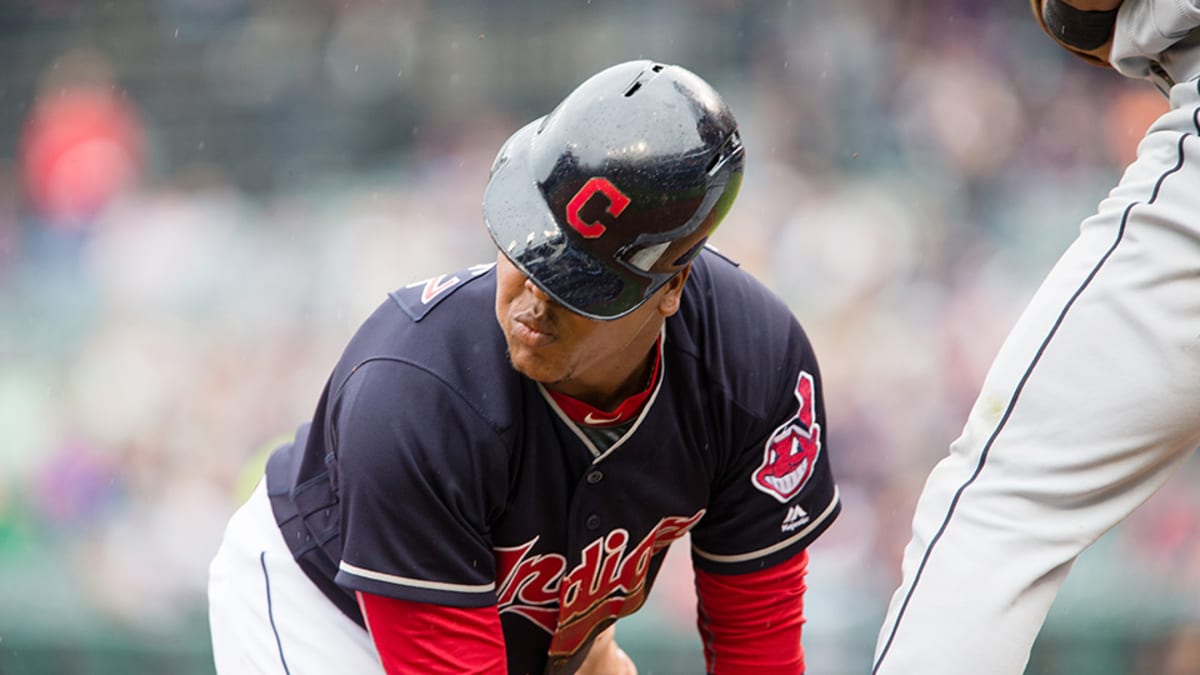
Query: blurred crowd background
<point x="201" y="199"/>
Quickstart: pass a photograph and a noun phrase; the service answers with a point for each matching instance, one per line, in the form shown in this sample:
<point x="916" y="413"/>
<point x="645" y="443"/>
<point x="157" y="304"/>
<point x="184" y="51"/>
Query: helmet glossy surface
<point x="614" y="192"/>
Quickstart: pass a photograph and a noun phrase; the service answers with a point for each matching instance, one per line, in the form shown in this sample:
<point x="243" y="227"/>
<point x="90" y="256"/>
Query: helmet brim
<point x="528" y="234"/>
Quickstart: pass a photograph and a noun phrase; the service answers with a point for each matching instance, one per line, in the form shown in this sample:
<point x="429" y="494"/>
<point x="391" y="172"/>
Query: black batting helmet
<point x="615" y="191"/>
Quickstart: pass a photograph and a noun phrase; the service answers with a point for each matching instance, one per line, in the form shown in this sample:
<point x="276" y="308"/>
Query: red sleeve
<point x="750" y="623"/>
<point x="416" y="637"/>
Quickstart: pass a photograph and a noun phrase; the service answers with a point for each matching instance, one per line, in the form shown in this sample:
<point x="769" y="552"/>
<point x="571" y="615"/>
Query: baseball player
<point x="502" y="456"/>
<point x="1094" y="398"/>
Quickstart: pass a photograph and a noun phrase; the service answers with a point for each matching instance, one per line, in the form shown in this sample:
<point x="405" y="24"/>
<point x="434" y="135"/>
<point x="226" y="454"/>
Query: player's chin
<point x="533" y="365"/>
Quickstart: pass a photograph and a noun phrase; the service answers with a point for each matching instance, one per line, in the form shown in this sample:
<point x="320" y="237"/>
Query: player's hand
<point x="606" y="658"/>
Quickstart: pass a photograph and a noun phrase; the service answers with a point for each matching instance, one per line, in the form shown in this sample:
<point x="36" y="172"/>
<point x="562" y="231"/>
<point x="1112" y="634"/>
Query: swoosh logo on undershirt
<point x="589" y="419"/>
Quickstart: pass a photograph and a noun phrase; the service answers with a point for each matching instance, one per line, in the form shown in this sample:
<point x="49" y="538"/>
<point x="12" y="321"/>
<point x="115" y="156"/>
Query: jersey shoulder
<point x="749" y="340"/>
<point x="443" y="328"/>
<point x="720" y="290"/>
<point x="420" y="297"/>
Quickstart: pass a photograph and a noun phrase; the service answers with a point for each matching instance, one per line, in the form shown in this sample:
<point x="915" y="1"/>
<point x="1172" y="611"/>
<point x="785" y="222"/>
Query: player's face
<point x="595" y="361"/>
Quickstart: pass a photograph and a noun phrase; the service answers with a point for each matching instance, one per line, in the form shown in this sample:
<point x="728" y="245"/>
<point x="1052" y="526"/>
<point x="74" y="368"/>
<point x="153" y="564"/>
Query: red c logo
<point x="616" y="204"/>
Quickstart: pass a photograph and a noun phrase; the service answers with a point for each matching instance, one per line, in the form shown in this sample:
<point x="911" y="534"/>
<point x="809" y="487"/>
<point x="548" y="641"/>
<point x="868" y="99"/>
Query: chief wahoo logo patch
<point x="790" y="454"/>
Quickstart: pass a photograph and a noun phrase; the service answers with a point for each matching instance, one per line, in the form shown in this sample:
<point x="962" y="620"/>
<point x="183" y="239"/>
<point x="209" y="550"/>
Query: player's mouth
<point x="531" y="330"/>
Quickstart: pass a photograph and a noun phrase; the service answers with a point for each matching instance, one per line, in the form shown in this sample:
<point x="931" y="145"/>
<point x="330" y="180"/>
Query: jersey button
<point x="592" y="522"/>
<point x="594" y="477"/>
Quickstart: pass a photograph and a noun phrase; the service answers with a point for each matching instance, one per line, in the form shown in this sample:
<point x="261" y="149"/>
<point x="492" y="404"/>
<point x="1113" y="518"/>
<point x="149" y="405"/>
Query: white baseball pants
<point x="265" y="614"/>
<point x="1091" y="404"/>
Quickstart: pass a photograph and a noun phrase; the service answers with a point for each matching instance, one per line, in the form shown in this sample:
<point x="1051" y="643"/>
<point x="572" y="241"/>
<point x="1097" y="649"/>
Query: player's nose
<point x="537" y="292"/>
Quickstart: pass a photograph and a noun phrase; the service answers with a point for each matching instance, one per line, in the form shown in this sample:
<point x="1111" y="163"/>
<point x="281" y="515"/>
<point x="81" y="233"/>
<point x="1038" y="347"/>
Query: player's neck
<point x="587" y="415"/>
<point x="617" y="383"/>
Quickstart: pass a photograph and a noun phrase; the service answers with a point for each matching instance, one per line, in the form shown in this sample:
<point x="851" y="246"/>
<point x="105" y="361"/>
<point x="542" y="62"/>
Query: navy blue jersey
<point x="433" y="472"/>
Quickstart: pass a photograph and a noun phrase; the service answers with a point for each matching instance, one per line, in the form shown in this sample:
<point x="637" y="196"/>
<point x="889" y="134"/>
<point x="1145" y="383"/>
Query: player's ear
<point x="668" y="304"/>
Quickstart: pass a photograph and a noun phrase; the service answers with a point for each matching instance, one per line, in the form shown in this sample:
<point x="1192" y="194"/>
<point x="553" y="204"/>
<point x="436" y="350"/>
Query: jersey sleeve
<point x="414" y="637"/>
<point x="776" y="492"/>
<point x="752" y="623"/>
<point x="419" y="477"/>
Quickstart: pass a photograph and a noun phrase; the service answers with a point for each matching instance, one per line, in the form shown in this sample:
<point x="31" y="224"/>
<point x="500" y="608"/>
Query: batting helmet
<point x="614" y="192"/>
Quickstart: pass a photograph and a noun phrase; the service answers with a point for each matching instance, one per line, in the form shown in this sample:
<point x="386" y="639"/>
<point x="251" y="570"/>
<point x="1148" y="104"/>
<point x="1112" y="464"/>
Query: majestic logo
<point x="796" y="516"/>
<point x="617" y="201"/>
<point x="790" y="454"/>
<point x="608" y="582"/>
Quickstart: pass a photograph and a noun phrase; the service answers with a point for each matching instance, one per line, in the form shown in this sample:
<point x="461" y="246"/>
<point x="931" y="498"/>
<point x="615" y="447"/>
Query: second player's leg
<point x="1089" y="406"/>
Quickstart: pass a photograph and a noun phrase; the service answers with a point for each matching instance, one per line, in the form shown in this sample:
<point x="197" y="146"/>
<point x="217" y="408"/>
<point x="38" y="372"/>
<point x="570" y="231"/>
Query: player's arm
<point x="415" y="637"/>
<point x="605" y="657"/>
<point x="429" y="606"/>
<point x="775" y="495"/>
<point x="751" y="623"/>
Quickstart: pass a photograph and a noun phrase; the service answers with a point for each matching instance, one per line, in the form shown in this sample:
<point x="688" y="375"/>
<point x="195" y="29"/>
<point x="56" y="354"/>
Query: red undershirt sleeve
<point x="751" y="623"/>
<point x="416" y="637"/>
